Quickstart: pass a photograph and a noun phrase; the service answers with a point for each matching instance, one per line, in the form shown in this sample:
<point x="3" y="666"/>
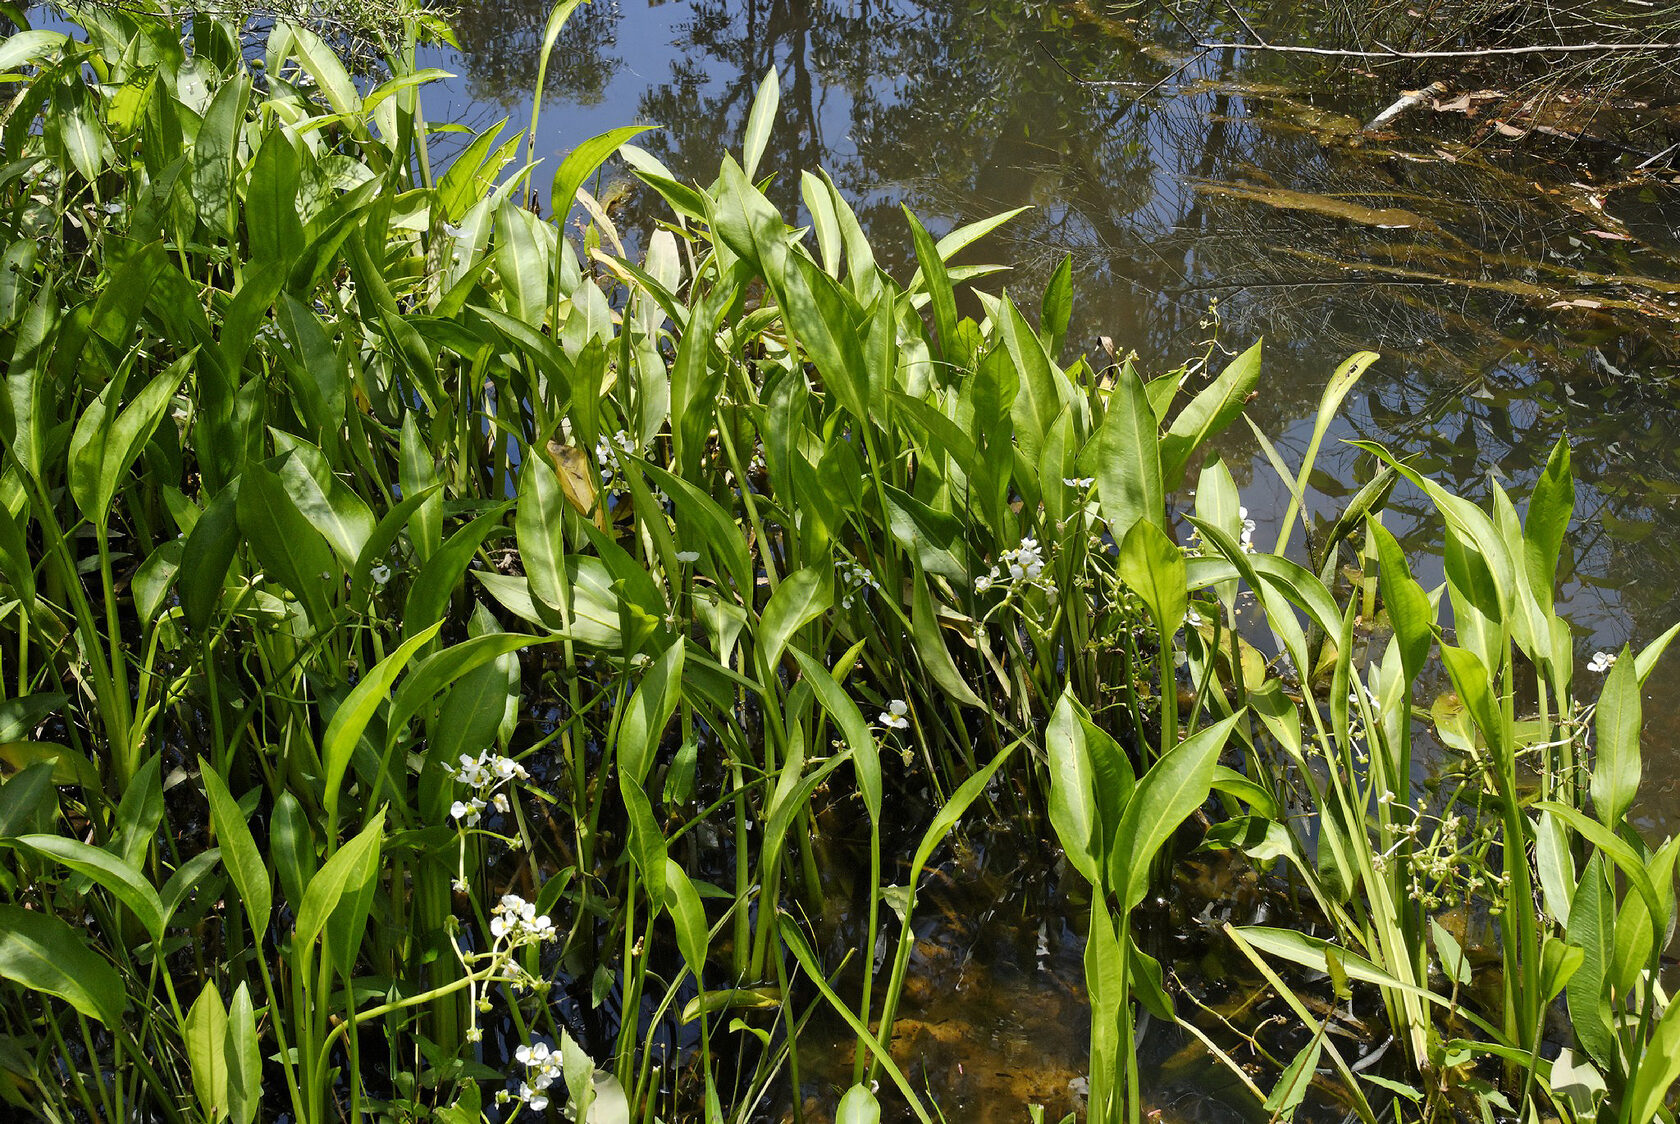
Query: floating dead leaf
<point x="1505" y="130"/>
<point x="1460" y="104"/>
<point x="1577" y="302"/>
<point x="576" y="470"/>
<point x="1611" y="236"/>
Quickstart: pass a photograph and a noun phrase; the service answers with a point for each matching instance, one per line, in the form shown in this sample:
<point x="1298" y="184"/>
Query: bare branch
<point x="1480" y="52"/>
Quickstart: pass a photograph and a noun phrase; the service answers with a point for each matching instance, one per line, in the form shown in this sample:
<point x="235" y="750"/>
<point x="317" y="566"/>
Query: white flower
<point x="1080" y="482"/>
<point x="516" y="920"/>
<point x="894" y="716"/>
<point x="380" y="574"/>
<point x="500" y="802"/>
<point x="856" y="579"/>
<point x="1023" y="564"/>
<point x="688" y="556"/>
<point x="1601" y="662"/>
<point x="453" y="231"/>
<point x="1247" y="529"/>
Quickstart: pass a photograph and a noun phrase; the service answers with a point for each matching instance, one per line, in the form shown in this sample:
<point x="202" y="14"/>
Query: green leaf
<point x="428" y="596"/>
<point x="348" y="869"/>
<point x="239" y="850"/>
<point x="1152" y="565"/>
<point x="866" y="753"/>
<point x="858" y="1106"/>
<point x="1286" y="1096"/>
<point x="759" y="122"/>
<point x="206" y="1039"/>
<point x="1073" y="793"/>
<point x="1215" y="407"/>
<point x="271" y="216"/>
<point x="824" y="319"/>
<point x="1128" y="470"/>
<point x="122" y="879"/>
<point x="688" y="914"/>
<point x="205" y="558"/>
<point x="23" y="796"/>
<point x="41" y="953"/>
<point x="648" y="712"/>
<point x="357" y="710"/>
<point x="1659" y="1067"/>
<point x="801" y="598"/>
<point x="331" y="507"/>
<point x="291" y="552"/>
<point x="1056" y="310"/>
<point x="1165" y="796"/>
<point x="1409" y="608"/>
<point x="944" y="299"/>
<point x="244" y="1058"/>
<point x="1550" y="508"/>
<point x="930" y="645"/>
<point x="106" y="444"/>
<point x="1617" y="720"/>
<point x="582" y="162"/>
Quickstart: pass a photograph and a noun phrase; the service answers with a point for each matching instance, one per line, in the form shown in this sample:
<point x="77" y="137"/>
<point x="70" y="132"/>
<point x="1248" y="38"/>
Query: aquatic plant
<point x="415" y="620"/>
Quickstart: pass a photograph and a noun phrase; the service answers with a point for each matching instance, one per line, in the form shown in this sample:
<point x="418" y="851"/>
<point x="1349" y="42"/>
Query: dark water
<point x="1520" y="289"/>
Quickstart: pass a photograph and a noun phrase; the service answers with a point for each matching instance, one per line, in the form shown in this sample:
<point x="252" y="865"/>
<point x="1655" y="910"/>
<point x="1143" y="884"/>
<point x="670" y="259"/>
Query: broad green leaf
<point x="329" y="505"/>
<point x="1073" y="792"/>
<point x="801" y="598"/>
<point x="1152" y="566"/>
<point x="345" y="870"/>
<point x="944" y="299"/>
<point x="290" y="551"/>
<point x="1659" y="1067"/>
<point x="1214" y="407"/>
<point x="1409" y="608"/>
<point x="688" y="914"/>
<point x="206" y="1039"/>
<point x="25" y="794"/>
<point x="930" y="645"/>
<point x="428" y="597"/>
<point x="1165" y="796"/>
<point x="648" y="712"/>
<point x="41" y="953"/>
<point x="1550" y="508"/>
<point x="107" y="443"/>
<point x="858" y="1106"/>
<point x="1128" y="468"/>
<point x="244" y="1058"/>
<point x="1340" y="384"/>
<point x="239" y="850"/>
<point x="866" y="753"/>
<point x="1617" y="721"/>
<point x="351" y="718"/>
<point x="121" y="878"/>
<point x="760" y="119"/>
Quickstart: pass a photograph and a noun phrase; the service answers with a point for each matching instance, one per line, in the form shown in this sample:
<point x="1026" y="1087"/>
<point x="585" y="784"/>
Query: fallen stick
<point x="1406" y="101"/>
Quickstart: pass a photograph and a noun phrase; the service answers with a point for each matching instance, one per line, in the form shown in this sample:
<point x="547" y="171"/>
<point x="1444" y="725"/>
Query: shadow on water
<point x="1521" y="279"/>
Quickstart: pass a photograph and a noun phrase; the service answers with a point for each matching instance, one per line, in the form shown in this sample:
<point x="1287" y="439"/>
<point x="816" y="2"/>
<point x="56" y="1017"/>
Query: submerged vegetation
<point x="450" y="668"/>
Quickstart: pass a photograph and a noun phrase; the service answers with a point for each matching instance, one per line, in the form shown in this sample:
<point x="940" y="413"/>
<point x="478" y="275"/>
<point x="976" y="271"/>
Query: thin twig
<point x="1482" y="52"/>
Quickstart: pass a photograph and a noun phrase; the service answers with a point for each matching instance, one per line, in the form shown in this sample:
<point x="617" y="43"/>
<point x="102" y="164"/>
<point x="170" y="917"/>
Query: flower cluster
<point x="855" y="579"/>
<point x="608" y="451"/>
<point x="484" y="775"/>
<point x="543" y="1067"/>
<point x="1023" y="564"/>
<point x="515" y="920"/>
